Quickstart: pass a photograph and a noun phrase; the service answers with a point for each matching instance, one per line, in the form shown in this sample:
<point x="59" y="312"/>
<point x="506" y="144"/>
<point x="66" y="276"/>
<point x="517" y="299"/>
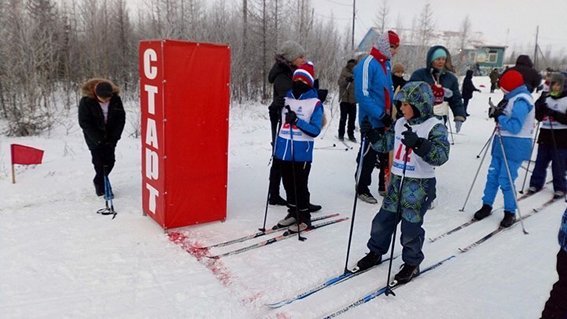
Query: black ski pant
<point x="369" y="162"/>
<point x="466" y="104"/>
<point x="348" y="111"/>
<point x="295" y="177"/>
<point x="103" y="159"/>
<point x="275" y="173"/>
<point x="556" y="305"/>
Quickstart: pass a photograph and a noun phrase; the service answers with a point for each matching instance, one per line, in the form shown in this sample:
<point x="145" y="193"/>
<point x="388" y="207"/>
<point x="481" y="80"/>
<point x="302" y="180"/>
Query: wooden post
<point x="13" y="174"/>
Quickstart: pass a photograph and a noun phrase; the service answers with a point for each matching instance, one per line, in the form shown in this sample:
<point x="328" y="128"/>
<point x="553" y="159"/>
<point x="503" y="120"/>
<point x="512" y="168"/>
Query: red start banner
<point x="184" y="100"/>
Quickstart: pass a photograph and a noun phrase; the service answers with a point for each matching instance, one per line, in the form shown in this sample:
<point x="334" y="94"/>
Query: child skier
<point x="550" y="110"/>
<point x="514" y="118"/>
<point x="302" y="119"/>
<point x="417" y="150"/>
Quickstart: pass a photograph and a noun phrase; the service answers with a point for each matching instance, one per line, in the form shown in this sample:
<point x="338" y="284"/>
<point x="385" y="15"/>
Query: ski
<point x="500" y="229"/>
<point x="286" y="235"/>
<point x="544" y="205"/>
<point x="347" y="145"/>
<point x="380" y="291"/>
<point x="327" y="283"/>
<point x="445" y="234"/>
<point x="272" y="230"/>
<point x="470" y="222"/>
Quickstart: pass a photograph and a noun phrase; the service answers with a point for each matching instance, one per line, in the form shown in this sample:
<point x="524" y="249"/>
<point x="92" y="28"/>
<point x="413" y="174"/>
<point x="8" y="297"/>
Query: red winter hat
<point x="393" y="38"/>
<point x="511" y="80"/>
<point x="305" y="73"/>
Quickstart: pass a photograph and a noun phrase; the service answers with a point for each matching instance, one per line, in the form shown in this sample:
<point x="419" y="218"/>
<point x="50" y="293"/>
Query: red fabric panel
<point x="195" y="90"/>
<point x="25" y="155"/>
<point x="151" y="69"/>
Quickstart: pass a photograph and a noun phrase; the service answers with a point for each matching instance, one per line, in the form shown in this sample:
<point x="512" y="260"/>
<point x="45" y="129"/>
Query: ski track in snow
<point x="59" y="259"/>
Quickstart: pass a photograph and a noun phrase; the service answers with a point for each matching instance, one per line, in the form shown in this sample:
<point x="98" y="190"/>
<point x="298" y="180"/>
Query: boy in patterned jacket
<point x="302" y="119"/>
<point x="419" y="141"/>
<point x="556" y="307"/>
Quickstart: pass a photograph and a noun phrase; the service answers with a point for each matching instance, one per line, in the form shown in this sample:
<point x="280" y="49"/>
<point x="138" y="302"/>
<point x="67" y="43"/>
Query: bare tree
<point x="382" y="16"/>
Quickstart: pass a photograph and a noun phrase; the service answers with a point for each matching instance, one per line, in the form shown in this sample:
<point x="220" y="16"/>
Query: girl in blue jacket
<point x="302" y="120"/>
<point x="515" y="121"/>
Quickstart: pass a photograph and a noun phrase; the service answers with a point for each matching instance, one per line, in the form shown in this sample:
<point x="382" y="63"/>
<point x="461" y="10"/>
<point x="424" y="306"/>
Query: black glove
<point x="349" y="79"/>
<point x="411" y="139"/>
<point x="290" y="117"/>
<point x="386" y="120"/>
<point x="496" y="110"/>
<point x="374" y="135"/>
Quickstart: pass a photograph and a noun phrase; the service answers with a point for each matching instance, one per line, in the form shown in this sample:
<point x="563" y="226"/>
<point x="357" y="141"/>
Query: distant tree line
<point x="48" y="47"/>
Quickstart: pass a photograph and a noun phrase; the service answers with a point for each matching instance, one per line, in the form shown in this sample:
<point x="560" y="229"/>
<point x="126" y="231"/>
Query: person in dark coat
<point x="551" y="112"/>
<point x="347" y="100"/>
<point x="556" y="307"/>
<point x="468" y="89"/>
<point x="102" y="118"/>
<point x="398" y="81"/>
<point x="525" y="66"/>
<point x="494" y="76"/>
<point x="438" y="72"/>
<point x="289" y="56"/>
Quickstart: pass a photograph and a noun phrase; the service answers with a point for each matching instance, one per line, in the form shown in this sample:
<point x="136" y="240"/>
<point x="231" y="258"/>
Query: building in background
<point x="467" y="53"/>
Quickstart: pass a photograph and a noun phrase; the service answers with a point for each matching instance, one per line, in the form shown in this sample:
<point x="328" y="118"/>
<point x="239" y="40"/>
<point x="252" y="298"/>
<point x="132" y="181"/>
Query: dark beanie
<point x="103" y="89"/>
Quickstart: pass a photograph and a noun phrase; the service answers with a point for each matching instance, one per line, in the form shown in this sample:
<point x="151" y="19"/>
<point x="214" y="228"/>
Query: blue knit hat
<point x="439" y="53"/>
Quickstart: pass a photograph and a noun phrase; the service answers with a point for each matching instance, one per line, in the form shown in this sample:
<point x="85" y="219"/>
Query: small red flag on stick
<point x="24" y="155"/>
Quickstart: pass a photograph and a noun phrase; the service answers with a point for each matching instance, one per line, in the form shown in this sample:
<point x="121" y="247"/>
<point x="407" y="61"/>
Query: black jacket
<point x="91" y="118"/>
<point x="468" y="86"/>
<point x="525" y="66"/>
<point x="558" y="137"/>
<point x="280" y="76"/>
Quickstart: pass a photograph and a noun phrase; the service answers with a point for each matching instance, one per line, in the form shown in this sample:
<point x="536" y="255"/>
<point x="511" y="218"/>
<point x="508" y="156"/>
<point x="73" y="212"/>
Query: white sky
<point x="503" y="22"/>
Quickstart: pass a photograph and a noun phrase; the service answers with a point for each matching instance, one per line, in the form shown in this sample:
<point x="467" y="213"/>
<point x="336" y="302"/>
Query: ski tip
<point x="213" y="257"/>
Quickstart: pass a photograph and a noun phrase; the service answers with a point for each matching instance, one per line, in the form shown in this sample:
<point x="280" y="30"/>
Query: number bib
<point x="415" y="166"/>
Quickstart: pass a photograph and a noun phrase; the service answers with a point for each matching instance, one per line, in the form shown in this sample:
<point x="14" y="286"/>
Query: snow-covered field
<point x="59" y="259"/>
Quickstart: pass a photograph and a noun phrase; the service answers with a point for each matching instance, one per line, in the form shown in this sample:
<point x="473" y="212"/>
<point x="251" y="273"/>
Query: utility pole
<point x="353" y="17"/>
<point x="536" y="47"/>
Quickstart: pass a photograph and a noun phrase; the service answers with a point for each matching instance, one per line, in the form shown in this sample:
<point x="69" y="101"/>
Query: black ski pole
<point x="108" y="196"/>
<point x="485" y="148"/>
<point x="361" y="155"/>
<point x="299" y="237"/>
<point x="530" y="160"/>
<point x="555" y="151"/>
<point x="263" y="229"/>
<point x="398" y="218"/>
<point x="485" y="144"/>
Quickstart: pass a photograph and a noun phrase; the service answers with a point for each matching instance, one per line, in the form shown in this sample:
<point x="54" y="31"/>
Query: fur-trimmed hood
<point x="87" y="89"/>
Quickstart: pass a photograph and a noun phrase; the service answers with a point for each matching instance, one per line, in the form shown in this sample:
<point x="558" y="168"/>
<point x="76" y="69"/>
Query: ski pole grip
<point x="408" y="127"/>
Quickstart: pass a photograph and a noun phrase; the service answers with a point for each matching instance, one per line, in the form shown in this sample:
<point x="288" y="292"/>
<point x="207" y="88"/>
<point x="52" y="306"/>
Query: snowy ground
<point x="59" y="259"/>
